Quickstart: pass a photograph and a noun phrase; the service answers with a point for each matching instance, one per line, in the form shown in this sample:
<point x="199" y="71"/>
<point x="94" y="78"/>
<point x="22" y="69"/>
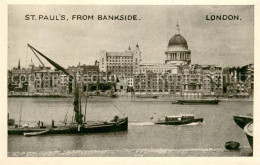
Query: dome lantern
<point x="177" y="28"/>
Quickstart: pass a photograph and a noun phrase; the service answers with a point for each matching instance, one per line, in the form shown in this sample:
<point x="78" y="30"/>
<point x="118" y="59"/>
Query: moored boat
<point x="36" y="133"/>
<point x="147" y="96"/>
<point x="93" y="127"/>
<point x="89" y="127"/>
<point x="196" y="101"/>
<point x="179" y="120"/>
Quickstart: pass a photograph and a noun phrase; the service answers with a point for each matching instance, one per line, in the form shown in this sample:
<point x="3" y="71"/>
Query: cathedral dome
<point x="178" y="41"/>
<point x="178" y="52"/>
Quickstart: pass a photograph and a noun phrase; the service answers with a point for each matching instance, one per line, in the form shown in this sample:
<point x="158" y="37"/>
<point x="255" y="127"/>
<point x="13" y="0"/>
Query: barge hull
<point x="198" y="101"/>
<point x="122" y="125"/>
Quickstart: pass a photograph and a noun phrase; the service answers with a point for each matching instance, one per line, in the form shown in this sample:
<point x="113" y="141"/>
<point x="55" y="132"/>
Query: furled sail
<point x="77" y="105"/>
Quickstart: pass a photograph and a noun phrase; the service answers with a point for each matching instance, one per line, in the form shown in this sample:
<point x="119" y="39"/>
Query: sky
<point x="222" y="43"/>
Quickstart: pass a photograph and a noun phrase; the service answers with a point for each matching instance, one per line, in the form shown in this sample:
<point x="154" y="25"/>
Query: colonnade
<point x="178" y="56"/>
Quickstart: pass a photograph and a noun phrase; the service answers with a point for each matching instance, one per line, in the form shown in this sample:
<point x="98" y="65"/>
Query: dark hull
<point x="114" y="96"/>
<point x="250" y="140"/>
<point x="179" y="122"/>
<point x="121" y="125"/>
<point x="248" y="129"/>
<point x="231" y="145"/>
<point x="146" y="96"/>
<point x="242" y="121"/>
<point x="198" y="101"/>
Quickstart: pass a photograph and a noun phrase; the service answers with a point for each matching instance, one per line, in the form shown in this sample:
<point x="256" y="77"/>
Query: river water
<point x="143" y="138"/>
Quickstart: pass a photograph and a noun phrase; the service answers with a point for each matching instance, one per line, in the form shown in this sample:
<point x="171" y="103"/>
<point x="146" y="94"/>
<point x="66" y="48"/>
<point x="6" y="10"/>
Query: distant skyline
<point x="223" y="43"/>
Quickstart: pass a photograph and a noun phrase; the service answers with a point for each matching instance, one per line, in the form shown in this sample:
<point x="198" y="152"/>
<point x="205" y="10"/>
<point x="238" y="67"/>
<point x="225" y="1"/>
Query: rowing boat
<point x="36" y="133"/>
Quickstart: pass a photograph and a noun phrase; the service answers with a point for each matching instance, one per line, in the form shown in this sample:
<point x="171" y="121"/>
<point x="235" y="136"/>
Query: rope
<point x="66" y="115"/>
<point x="117" y="108"/>
<point x="26" y="54"/>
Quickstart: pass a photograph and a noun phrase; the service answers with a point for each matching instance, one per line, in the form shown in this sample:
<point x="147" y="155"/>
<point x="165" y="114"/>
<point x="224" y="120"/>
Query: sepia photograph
<point x="130" y="80"/>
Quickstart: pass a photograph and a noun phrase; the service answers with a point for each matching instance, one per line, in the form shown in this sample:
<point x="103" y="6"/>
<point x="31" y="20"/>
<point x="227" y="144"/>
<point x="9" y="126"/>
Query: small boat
<point x="249" y="133"/>
<point x="175" y="102"/>
<point x="196" y="101"/>
<point x="114" y="96"/>
<point x="232" y="145"/>
<point x="147" y="96"/>
<point x="11" y="122"/>
<point x="36" y="133"/>
<point x="243" y="120"/>
<point x="179" y="120"/>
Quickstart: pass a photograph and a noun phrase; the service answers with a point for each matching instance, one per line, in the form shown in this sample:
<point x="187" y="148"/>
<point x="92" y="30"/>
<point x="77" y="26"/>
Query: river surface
<point x="143" y="138"/>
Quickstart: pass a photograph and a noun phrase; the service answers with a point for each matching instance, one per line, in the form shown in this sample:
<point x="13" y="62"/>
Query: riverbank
<point x="163" y="98"/>
<point x="211" y="152"/>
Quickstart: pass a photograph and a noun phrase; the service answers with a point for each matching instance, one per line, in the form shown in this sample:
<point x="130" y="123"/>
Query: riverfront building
<point x="201" y="80"/>
<point x="121" y="63"/>
<point x="33" y="79"/>
<point x="239" y="81"/>
<point x="159" y="83"/>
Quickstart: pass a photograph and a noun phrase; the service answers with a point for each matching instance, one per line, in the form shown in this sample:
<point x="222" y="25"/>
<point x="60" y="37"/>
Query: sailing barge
<point x="74" y="128"/>
<point x="79" y="125"/>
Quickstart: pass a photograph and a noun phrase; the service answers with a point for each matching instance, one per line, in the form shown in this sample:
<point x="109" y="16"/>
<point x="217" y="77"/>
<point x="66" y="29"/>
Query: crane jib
<point x="57" y="66"/>
<point x="77" y="100"/>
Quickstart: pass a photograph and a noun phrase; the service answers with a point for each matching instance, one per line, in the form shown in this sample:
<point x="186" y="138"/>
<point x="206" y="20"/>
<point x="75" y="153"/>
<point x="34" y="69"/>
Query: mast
<point x="85" y="113"/>
<point x="19" y="64"/>
<point x="77" y="104"/>
<point x="77" y="98"/>
<point x="85" y="110"/>
<point x="21" y="111"/>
